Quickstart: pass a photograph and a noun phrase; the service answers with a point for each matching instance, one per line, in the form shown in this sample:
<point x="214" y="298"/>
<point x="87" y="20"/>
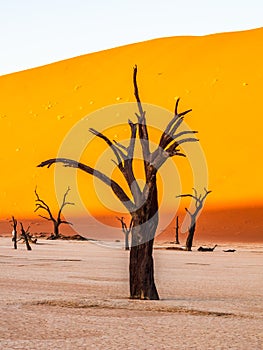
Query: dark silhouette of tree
<point x="199" y="203"/>
<point x="143" y="204"/>
<point x="14" y="232"/>
<point x="41" y="204"/>
<point x="177" y="231"/>
<point x="25" y="237"/>
<point x="125" y="230"/>
<point x="207" y="249"/>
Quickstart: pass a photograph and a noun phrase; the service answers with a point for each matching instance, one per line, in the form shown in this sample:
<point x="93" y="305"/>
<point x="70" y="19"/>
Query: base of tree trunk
<point x="142" y="284"/>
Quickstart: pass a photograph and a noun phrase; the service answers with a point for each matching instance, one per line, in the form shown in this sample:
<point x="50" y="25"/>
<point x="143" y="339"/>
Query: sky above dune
<point x="35" y="33"/>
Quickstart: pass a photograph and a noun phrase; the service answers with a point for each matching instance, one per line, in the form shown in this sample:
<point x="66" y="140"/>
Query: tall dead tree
<point x="14" y="232"/>
<point x="40" y="204"/>
<point x="125" y="230"/>
<point x="199" y="203"/>
<point x="143" y="205"/>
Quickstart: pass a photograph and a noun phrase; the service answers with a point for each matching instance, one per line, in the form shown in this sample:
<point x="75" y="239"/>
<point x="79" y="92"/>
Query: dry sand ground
<point x="74" y="295"/>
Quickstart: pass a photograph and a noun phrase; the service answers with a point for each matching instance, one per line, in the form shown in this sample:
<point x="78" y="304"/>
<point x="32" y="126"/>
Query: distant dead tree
<point x="41" y="204"/>
<point x="14" y="232"/>
<point x="125" y="230"/>
<point x="25" y="237"/>
<point x="177" y="231"/>
<point x="199" y="203"/>
<point x="142" y="204"/>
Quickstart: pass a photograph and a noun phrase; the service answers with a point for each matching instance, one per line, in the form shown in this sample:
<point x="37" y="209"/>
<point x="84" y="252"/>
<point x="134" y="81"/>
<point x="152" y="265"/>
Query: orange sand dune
<point x="219" y="76"/>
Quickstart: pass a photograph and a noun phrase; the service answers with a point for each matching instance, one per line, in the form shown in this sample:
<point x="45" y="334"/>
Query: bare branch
<point x="104" y="178"/>
<point x="64" y="203"/>
<point x="167" y="135"/>
<point x="158" y="157"/>
<point x="136" y="91"/>
<point x="120" y="145"/>
<point x="118" y="153"/>
<point x="188" y="195"/>
<point x="66" y="222"/>
<point x="45" y="217"/>
<point x="188" y="212"/>
<point x="124" y="160"/>
<point x="40" y="204"/>
<point x="179" y="118"/>
<point x="176" y="136"/>
<point x="176" y="106"/>
<point x="143" y="131"/>
<point x="190" y="139"/>
<point x="130" y="149"/>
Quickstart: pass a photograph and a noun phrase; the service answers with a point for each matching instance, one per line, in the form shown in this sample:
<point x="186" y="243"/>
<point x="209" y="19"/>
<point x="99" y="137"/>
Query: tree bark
<point x="56" y="229"/>
<point x="127" y="241"/>
<point x="142" y="285"/>
<point x="145" y="221"/>
<point x="177" y="231"/>
<point x="190" y="237"/>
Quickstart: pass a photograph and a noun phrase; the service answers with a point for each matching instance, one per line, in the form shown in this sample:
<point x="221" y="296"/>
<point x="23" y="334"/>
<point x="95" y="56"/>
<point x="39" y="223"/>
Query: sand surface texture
<point x="74" y="295"/>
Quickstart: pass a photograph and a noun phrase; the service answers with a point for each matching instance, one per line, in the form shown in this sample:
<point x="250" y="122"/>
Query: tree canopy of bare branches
<point x="199" y="203"/>
<point x="143" y="204"/>
<point x="41" y="204"/>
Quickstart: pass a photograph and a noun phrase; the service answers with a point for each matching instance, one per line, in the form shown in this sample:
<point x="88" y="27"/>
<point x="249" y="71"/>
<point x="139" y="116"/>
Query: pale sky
<point x="38" y="32"/>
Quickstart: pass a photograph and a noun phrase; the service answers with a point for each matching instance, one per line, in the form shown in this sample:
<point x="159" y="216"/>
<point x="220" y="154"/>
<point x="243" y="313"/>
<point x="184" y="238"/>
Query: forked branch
<point x="199" y="201"/>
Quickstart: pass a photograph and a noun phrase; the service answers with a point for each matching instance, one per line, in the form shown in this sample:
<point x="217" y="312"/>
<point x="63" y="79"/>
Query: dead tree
<point x="40" y="204"/>
<point x="177" y="231"/>
<point x="199" y="203"/>
<point x="125" y="230"/>
<point x="143" y="204"/>
<point x="14" y="232"/>
<point x="24" y="237"/>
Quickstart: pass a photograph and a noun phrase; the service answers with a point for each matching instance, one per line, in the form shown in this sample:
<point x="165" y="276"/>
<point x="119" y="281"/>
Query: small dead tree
<point x="41" y="204"/>
<point x="177" y="231"/>
<point x="199" y="203"/>
<point x="14" y="232"/>
<point x="25" y="237"/>
<point x="142" y="204"/>
<point x="125" y="230"/>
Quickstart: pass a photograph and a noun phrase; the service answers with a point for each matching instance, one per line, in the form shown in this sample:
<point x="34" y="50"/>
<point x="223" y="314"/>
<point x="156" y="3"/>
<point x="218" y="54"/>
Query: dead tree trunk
<point x="143" y="204"/>
<point x="14" y="232"/>
<point x="177" y="231"/>
<point x="190" y="237"/>
<point x="40" y="204"/>
<point x="145" y="222"/>
<point x="56" y="229"/>
<point x="199" y="202"/>
<point x="25" y="238"/>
